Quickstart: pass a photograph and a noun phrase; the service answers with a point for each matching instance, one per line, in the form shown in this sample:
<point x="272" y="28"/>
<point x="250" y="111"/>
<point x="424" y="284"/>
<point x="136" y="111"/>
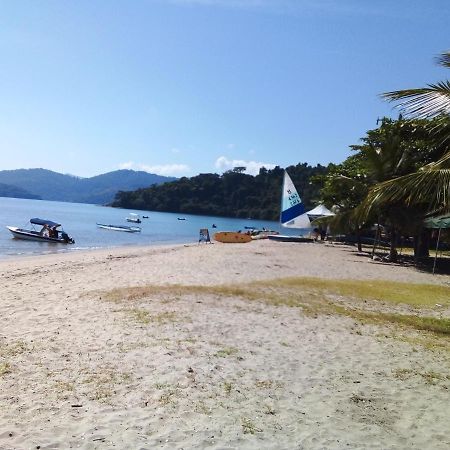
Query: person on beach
<point x="323" y="233"/>
<point x="315" y="234"/>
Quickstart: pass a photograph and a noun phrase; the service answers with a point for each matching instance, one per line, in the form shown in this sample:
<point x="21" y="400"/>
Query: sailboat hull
<point x="285" y="238"/>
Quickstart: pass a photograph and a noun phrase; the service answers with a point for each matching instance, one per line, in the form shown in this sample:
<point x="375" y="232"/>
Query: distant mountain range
<point x="48" y="185"/>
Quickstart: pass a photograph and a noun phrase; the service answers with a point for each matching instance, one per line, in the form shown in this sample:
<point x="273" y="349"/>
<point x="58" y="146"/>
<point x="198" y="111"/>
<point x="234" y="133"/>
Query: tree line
<point x="232" y="194"/>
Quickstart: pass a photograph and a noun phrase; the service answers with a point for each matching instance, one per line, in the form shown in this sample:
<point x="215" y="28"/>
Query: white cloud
<point x="126" y="165"/>
<point x="252" y="167"/>
<point x="159" y="169"/>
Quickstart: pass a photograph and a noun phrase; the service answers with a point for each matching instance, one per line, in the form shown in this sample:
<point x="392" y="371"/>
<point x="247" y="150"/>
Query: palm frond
<point x="440" y="130"/>
<point x="429" y="187"/>
<point x="423" y="102"/>
<point x="345" y="221"/>
<point x="444" y="59"/>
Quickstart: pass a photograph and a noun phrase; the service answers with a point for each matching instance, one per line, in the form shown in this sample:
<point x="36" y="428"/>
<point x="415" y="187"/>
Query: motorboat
<point x="134" y="218"/>
<point x="126" y="228"/>
<point x="48" y="233"/>
<point x="263" y="234"/>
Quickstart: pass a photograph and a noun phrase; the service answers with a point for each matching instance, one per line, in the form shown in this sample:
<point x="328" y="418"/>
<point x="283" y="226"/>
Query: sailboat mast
<point x="282" y="195"/>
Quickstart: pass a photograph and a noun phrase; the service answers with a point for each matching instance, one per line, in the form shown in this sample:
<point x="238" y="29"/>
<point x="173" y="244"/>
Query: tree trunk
<point x="358" y="239"/>
<point x="422" y="245"/>
<point x="393" y="248"/>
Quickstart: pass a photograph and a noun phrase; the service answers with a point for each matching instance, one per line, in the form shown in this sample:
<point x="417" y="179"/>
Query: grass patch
<point x="315" y="296"/>
<point x="4" y="368"/>
<point x="144" y="317"/>
<point x="225" y="352"/>
<point x="433" y="324"/>
<point x="140" y="292"/>
<point x="424" y="341"/>
<point x="13" y="349"/>
<point x="228" y="387"/>
<point x="103" y="384"/>
<point x="168" y="397"/>
<point x="430" y="377"/>
<point x="248" y="427"/>
<point x="202" y="408"/>
<point x="418" y="295"/>
<point x="64" y="386"/>
<point x="161" y="386"/>
<point x="268" y="384"/>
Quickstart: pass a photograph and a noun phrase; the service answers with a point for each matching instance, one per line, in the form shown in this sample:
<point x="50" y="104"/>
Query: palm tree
<point x="430" y="184"/>
<point x="428" y="189"/>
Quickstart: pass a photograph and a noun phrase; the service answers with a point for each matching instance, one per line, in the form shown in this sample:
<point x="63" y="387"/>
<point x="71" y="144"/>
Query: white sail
<point x="292" y="209"/>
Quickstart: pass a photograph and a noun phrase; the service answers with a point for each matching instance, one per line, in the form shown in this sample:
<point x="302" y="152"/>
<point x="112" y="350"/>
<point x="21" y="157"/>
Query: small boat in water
<point x="134" y="218"/>
<point x="48" y="233"/>
<point x="126" y="228"/>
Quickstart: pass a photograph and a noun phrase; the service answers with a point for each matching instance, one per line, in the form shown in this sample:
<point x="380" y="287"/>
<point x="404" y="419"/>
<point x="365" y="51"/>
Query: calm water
<point x="79" y="221"/>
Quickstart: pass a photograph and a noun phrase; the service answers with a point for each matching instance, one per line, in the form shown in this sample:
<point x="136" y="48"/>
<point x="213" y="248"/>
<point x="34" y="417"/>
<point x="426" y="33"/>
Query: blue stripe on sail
<point x="292" y="212"/>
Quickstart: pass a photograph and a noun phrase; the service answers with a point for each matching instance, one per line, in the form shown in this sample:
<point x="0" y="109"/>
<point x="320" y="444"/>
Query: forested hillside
<point x="233" y="194"/>
<point x="49" y="185"/>
<point x="7" y="190"/>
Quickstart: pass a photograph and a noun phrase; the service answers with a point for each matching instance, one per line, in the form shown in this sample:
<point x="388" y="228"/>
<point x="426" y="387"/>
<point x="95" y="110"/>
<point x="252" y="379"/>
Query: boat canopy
<point x="43" y="222"/>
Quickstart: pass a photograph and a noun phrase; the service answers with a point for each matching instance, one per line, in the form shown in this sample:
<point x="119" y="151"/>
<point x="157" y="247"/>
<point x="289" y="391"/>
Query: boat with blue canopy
<point x="49" y="232"/>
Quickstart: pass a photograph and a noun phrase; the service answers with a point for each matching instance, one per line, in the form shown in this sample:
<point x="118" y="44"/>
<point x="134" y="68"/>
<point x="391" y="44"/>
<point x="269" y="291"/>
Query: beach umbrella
<point x="438" y="223"/>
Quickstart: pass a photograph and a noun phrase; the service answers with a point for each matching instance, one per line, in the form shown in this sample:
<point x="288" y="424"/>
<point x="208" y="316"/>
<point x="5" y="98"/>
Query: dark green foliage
<point x="233" y="194"/>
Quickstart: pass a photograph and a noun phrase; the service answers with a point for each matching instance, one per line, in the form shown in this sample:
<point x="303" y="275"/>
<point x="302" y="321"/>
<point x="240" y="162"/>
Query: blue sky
<point x="181" y="87"/>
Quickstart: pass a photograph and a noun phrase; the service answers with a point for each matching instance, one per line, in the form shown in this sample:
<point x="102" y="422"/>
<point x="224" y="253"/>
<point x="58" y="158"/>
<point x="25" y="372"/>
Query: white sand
<point x="195" y="370"/>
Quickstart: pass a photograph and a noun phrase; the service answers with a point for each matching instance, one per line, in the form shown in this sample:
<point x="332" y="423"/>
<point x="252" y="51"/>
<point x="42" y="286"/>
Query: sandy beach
<point x="197" y="346"/>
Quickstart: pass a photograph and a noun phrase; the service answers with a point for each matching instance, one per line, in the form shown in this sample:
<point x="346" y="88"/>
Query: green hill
<point x="233" y="194"/>
<point x="101" y="189"/>
<point x="7" y="190"/>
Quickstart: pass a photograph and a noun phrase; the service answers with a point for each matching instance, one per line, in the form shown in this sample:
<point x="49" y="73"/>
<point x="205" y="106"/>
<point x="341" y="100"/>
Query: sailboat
<point x="292" y="213"/>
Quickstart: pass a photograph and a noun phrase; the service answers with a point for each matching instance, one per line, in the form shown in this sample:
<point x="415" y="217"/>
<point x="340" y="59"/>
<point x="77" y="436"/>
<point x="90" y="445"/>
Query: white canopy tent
<point x="318" y="212"/>
<point x="305" y="220"/>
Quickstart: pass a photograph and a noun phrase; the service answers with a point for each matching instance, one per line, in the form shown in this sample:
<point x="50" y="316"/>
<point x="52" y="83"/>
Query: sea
<point x="79" y="220"/>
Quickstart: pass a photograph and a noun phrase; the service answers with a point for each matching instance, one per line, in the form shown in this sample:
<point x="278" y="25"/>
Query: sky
<point x="182" y="87"/>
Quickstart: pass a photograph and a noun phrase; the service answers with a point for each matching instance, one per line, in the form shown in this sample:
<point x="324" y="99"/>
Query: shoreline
<point x="323" y="261"/>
